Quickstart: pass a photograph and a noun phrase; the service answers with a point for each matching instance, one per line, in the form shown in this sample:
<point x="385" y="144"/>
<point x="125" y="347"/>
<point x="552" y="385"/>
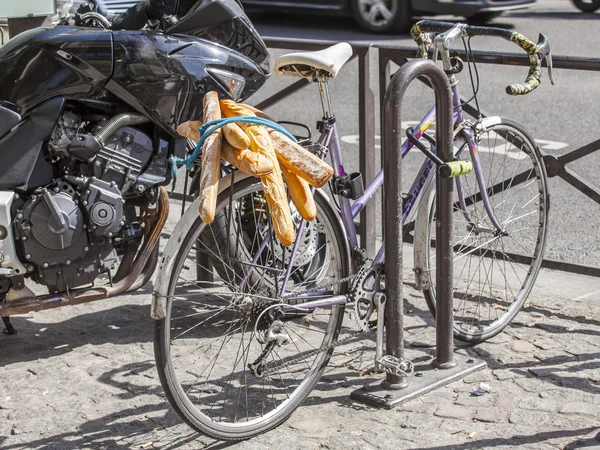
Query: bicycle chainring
<point x="364" y="287"/>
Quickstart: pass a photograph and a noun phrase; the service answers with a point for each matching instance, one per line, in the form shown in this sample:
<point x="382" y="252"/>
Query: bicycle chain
<point x="337" y="343"/>
<point x="316" y="351"/>
<point x="389" y="364"/>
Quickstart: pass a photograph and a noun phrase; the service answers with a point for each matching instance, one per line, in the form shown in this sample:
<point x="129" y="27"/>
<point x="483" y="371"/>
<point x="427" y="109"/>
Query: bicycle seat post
<point x="325" y="98"/>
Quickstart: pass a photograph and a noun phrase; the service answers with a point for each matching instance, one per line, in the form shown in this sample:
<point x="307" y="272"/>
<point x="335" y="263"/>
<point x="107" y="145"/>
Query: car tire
<point x="587" y="6"/>
<point x="391" y="15"/>
<point x="484" y="17"/>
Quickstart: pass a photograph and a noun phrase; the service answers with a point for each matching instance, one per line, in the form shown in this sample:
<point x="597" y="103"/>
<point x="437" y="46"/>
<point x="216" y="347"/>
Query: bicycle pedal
<point x="396" y="366"/>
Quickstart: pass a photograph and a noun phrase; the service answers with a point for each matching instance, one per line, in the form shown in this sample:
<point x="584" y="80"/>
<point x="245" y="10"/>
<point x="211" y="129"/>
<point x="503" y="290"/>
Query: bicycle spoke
<point x="237" y="367"/>
<point x="485" y="273"/>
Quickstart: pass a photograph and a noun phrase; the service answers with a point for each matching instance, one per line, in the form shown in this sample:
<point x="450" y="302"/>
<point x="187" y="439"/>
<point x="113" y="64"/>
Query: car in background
<point x="387" y="16"/>
<point x="377" y="16"/>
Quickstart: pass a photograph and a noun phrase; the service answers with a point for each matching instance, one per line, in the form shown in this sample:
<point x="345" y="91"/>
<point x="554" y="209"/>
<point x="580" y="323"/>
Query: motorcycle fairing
<point x="23" y="166"/>
<point x="45" y="63"/>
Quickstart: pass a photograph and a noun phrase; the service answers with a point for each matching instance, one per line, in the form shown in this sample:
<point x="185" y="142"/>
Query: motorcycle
<point x="87" y="128"/>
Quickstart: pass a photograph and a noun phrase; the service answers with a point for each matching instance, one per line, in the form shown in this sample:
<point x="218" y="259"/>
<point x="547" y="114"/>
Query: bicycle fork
<point x="477" y="227"/>
<point x="457" y="168"/>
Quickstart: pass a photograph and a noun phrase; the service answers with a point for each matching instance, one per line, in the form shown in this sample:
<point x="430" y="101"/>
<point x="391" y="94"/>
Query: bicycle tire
<point x="239" y="421"/>
<point x="521" y="283"/>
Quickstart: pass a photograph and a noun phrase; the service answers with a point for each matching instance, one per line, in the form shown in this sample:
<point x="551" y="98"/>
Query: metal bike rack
<point x="447" y="366"/>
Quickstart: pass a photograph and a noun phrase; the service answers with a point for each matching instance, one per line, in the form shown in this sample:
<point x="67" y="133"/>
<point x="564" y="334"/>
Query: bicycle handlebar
<point x="420" y="32"/>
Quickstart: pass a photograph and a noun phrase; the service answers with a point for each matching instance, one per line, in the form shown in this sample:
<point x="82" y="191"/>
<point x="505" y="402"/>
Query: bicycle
<point x="237" y="355"/>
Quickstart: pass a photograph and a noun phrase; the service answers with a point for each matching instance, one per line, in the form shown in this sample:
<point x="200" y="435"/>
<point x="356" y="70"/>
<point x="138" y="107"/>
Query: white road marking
<point x="588" y="295"/>
<point x="544" y="144"/>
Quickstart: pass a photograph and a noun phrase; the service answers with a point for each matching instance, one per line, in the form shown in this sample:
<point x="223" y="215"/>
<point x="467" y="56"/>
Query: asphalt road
<point x="560" y="117"/>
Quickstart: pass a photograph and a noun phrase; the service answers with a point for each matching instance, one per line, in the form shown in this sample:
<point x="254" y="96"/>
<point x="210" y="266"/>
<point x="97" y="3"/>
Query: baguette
<point x="236" y="136"/>
<point x="300" y="193"/>
<point x="273" y="186"/>
<point x="257" y="112"/>
<point x="300" y="161"/>
<point x="229" y="108"/>
<point x="211" y="161"/>
<point x="246" y="160"/>
<point x="289" y="154"/>
<point x="190" y="129"/>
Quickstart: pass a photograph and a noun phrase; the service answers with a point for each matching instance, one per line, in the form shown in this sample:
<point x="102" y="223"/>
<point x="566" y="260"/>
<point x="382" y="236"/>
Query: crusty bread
<point x="229" y="108"/>
<point x="300" y="193"/>
<point x="211" y="161"/>
<point x="190" y="129"/>
<point x="257" y="112"/>
<point x="273" y="186"/>
<point x="246" y="160"/>
<point x="236" y="136"/>
<point x="300" y="161"/>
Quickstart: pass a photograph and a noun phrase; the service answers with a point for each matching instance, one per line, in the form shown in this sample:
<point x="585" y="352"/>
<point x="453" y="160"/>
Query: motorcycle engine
<point x="69" y="229"/>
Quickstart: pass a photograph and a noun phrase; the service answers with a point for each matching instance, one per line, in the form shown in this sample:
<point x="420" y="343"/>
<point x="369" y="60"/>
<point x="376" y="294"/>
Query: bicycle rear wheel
<point x="229" y="367"/>
<point x="493" y="273"/>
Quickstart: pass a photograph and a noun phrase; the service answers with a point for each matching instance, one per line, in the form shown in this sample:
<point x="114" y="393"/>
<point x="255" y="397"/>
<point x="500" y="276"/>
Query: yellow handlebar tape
<point x="456" y="168"/>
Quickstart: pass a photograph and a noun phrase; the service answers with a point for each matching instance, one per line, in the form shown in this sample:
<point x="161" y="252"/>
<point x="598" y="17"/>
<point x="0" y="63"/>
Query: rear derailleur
<point x="276" y="336"/>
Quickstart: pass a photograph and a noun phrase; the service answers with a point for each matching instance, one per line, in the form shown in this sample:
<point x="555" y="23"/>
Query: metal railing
<point x="387" y="54"/>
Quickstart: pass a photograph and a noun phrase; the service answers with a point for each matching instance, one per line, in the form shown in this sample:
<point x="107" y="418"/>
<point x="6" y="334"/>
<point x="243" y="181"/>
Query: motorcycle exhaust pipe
<point x="141" y="266"/>
<point x="87" y="145"/>
<point x="119" y="121"/>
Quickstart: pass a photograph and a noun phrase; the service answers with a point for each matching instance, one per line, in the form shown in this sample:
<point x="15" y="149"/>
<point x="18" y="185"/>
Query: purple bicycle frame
<point x="330" y="139"/>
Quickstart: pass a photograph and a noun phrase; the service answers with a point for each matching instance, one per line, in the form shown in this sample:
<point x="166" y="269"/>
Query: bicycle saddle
<point x="312" y="64"/>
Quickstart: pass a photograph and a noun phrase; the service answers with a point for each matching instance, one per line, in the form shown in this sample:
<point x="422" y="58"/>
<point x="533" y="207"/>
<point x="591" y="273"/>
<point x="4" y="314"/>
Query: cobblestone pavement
<point x="84" y="377"/>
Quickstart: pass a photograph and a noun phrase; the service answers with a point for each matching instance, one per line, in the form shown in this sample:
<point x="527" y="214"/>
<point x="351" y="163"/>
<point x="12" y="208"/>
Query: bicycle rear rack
<point x="447" y="366"/>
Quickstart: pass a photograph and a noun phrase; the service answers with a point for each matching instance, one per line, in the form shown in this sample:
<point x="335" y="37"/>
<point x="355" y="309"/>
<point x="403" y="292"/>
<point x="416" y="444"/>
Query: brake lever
<point x="544" y="51"/>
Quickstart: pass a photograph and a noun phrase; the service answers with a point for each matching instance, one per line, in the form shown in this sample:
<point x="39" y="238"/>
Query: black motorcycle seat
<point x="8" y="119"/>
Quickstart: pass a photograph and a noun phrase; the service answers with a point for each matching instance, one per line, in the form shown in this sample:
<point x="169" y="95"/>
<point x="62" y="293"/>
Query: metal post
<point x="366" y="124"/>
<point x="444" y="303"/>
<point x="384" y="81"/>
<point x="392" y="218"/>
<point x="395" y="389"/>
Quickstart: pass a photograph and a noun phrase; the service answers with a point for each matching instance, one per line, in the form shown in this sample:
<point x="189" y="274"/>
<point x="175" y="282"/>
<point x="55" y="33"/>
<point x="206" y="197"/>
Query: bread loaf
<point x="236" y="136"/>
<point x="211" y="161"/>
<point x="257" y="112"/>
<point x="246" y="160"/>
<point x="273" y="186"/>
<point x="300" y="161"/>
<point x="229" y="108"/>
<point x="190" y="129"/>
<point x="300" y="193"/>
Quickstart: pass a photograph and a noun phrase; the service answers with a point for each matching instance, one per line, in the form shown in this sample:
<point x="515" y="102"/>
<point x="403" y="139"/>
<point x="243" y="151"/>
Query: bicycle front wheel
<point x="494" y="273"/>
<point x="232" y="365"/>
